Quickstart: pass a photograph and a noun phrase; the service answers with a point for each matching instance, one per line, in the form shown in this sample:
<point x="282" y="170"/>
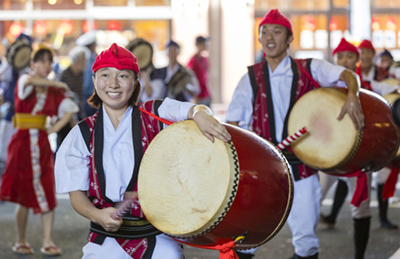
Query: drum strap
<point x="299" y="72"/>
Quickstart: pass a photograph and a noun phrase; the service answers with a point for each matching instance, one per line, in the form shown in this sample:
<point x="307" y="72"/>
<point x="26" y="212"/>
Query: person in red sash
<point x="29" y="176"/>
<point x="374" y="74"/>
<point x="98" y="162"/>
<point x="347" y="55"/>
<point x="263" y="100"/>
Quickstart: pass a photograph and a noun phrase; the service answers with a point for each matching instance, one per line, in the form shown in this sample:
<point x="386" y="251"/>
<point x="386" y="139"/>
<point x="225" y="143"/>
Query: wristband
<point x="203" y="108"/>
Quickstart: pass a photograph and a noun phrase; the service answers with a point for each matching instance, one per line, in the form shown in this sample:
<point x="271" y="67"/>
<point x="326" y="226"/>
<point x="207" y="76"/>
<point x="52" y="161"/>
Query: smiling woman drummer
<point x="98" y="162"/>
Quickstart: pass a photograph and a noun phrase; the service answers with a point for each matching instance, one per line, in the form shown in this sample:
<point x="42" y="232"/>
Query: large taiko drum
<point x="336" y="146"/>
<point x="19" y="54"/>
<point x="209" y="193"/>
<point x="143" y="51"/>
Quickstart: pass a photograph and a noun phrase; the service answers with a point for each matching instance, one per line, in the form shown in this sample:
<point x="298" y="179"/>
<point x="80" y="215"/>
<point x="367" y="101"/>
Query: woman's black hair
<point x="41" y="54"/>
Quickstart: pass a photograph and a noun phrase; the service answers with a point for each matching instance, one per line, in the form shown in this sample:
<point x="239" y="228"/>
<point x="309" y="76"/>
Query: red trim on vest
<point x="136" y="248"/>
<point x="260" y="112"/>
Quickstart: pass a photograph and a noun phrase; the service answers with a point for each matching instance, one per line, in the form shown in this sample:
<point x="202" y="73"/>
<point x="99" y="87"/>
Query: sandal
<point x="22" y="249"/>
<point x="50" y="250"/>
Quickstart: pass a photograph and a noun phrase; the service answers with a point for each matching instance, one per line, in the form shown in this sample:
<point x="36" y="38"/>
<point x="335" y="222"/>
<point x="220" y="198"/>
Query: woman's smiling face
<point x="114" y="87"/>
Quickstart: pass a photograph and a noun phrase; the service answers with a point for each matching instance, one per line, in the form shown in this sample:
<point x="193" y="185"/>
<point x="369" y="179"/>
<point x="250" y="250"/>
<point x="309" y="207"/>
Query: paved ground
<point x="71" y="230"/>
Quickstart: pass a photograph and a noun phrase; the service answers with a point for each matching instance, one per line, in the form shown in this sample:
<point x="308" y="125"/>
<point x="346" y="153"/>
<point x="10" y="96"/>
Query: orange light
<point x="16" y="28"/>
<point x="333" y="24"/>
<point x="391" y="23"/>
<point x="114" y="25"/>
<point x="66" y="27"/>
<point x="52" y="2"/>
<point x="86" y="27"/>
<point x="375" y="25"/>
<point x="41" y="27"/>
<point x="310" y="23"/>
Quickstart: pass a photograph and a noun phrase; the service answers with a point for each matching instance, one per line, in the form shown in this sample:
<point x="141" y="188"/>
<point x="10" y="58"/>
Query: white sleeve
<point x="24" y="92"/>
<point x="156" y="85"/>
<point x="72" y="163"/>
<point x="382" y="88"/>
<point x="174" y="110"/>
<point x="241" y="107"/>
<point x="67" y="106"/>
<point x="325" y="73"/>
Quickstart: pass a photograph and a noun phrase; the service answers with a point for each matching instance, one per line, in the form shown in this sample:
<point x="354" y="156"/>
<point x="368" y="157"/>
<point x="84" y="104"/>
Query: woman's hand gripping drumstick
<point x="208" y="125"/>
<point x="352" y="106"/>
<point x="124" y="206"/>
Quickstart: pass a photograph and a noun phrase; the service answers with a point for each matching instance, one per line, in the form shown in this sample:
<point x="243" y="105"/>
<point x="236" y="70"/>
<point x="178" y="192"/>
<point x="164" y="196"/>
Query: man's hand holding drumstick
<point x="352" y="106"/>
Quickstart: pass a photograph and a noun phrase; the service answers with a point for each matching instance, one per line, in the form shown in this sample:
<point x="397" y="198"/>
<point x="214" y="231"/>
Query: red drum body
<point x="335" y="146"/>
<point x="210" y="193"/>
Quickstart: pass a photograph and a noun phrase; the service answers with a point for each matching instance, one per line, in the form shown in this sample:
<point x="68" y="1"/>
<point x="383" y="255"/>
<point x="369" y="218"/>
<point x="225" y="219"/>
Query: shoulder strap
<point x="253" y="83"/>
<point x="307" y="73"/>
<point x="84" y="127"/>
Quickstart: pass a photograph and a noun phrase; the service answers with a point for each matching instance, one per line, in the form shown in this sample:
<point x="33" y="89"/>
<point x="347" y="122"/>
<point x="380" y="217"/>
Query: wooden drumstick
<point x="286" y="142"/>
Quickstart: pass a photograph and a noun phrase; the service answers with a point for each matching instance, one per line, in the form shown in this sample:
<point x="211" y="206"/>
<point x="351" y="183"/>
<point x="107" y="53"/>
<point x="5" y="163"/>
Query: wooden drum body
<point x="209" y="193"/>
<point x="335" y="146"/>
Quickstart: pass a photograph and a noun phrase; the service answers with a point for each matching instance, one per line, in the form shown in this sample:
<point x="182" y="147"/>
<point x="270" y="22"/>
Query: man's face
<point x="201" y="46"/>
<point x="346" y="59"/>
<point x="274" y="40"/>
<point x="172" y="52"/>
<point x="386" y="61"/>
<point x="366" y="57"/>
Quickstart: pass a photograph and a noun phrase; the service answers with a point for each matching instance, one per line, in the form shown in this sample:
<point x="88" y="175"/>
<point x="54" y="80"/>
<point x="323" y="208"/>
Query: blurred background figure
<point x="73" y="77"/>
<point x="200" y="65"/>
<point x="88" y="40"/>
<point x="18" y="57"/>
<point x="385" y="59"/>
<point x="151" y="79"/>
<point x="179" y="83"/>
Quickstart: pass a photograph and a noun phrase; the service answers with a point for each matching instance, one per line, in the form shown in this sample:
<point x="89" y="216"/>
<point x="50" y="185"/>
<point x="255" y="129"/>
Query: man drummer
<point x="285" y="80"/>
<point x="347" y="55"/>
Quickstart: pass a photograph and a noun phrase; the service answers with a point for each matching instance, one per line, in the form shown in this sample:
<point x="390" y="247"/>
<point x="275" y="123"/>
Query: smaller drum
<point x="19" y="54"/>
<point x="210" y="193"/>
<point x="336" y="147"/>
<point x="143" y="51"/>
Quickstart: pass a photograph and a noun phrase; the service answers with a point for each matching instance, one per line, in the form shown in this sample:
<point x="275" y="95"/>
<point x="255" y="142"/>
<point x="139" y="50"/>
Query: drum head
<point x="186" y="183"/>
<point x="328" y="143"/>
<point x="143" y="51"/>
<point x="19" y="54"/>
<point x="391" y="81"/>
<point x="392" y="97"/>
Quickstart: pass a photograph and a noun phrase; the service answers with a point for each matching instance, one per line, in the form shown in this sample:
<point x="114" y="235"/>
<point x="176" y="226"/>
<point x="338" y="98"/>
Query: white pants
<point x="382" y="175"/>
<point x="328" y="180"/>
<point x="304" y="216"/>
<point x="166" y="248"/>
<point x="6" y="132"/>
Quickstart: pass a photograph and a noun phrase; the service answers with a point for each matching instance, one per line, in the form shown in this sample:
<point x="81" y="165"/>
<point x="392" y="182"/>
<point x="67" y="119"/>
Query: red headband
<point x="344" y="45"/>
<point x="366" y="44"/>
<point x="275" y="17"/>
<point x="117" y="57"/>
